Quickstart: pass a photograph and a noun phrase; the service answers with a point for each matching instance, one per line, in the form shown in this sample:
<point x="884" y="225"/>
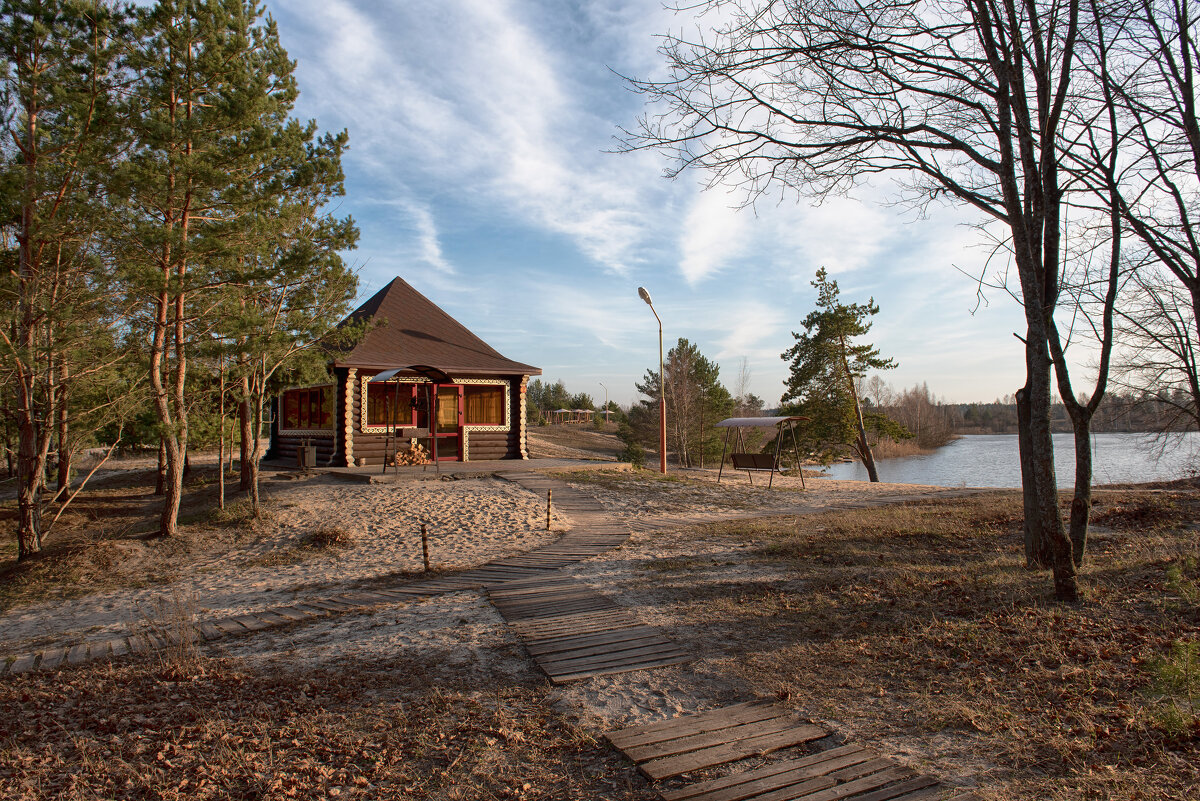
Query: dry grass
<point x="918" y="627"/>
<point x="329" y="537"/>
<point x="375" y="730"/>
<point x="679" y="492"/>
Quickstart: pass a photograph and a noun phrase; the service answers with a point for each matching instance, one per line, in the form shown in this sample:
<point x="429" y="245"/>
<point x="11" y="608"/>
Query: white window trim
<point x="366" y="380"/>
<point x="493" y="382"/>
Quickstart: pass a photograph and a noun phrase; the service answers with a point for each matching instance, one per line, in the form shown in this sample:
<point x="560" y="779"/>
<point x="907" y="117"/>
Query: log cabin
<point x="425" y="363"/>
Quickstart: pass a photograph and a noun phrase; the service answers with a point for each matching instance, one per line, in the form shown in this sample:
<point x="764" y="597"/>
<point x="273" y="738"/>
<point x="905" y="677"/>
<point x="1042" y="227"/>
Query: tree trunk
<point x="64" y="449"/>
<point x="1045" y="484"/>
<point x="863" y="447"/>
<point x="221" y="443"/>
<point x="255" y="456"/>
<point x="29" y="488"/>
<point x="864" y="452"/>
<point x="160" y="478"/>
<point x="1081" y="504"/>
<point x="1037" y="551"/>
<point x="173" y="488"/>
<point x="247" y="446"/>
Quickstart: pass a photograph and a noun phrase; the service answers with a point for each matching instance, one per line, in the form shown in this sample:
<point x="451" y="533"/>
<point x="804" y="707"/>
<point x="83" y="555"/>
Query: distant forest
<point x="1117" y="413"/>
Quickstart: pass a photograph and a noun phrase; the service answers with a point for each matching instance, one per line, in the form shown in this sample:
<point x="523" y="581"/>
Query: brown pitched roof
<point x="410" y="330"/>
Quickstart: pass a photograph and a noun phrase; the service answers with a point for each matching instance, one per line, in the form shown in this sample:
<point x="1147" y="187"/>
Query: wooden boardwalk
<point x="723" y="737"/>
<point x="574" y="632"/>
<point x="571" y="631"/>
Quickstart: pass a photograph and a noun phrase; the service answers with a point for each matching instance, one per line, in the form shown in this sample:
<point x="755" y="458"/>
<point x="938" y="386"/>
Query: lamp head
<point x="644" y="295"/>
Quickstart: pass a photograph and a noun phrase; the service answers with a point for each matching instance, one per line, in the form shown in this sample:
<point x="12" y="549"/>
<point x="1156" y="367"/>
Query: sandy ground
<point x="470" y="522"/>
<point x="467" y="634"/>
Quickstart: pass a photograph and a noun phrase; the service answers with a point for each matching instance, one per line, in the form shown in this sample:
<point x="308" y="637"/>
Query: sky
<point x="483" y="169"/>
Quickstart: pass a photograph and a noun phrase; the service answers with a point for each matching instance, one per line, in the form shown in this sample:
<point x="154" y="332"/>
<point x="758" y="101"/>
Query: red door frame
<point x="458" y="428"/>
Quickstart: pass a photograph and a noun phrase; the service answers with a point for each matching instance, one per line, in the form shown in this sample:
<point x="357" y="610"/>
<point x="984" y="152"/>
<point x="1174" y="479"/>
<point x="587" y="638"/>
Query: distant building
<point x="479" y="395"/>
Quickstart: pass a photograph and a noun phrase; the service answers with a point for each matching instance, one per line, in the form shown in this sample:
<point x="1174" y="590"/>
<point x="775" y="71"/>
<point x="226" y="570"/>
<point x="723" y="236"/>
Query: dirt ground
<point x="911" y="628"/>
<point x="574" y="441"/>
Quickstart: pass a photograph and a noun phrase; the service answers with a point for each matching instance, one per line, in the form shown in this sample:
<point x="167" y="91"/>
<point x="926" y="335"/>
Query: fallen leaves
<point x="375" y="731"/>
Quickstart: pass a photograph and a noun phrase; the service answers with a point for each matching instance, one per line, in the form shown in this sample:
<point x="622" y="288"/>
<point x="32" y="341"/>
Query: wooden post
<point x="425" y="546"/>
<point x="549" y="493"/>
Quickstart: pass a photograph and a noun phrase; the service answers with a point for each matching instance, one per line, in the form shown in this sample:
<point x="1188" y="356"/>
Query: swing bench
<point x="759" y="462"/>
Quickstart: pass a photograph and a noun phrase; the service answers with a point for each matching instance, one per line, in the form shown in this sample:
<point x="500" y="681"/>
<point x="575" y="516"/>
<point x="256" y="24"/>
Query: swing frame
<point x="759" y="462"/>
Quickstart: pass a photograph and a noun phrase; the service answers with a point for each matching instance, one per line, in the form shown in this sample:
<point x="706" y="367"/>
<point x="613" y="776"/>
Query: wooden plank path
<point x="573" y="632"/>
<point x="673" y="748"/>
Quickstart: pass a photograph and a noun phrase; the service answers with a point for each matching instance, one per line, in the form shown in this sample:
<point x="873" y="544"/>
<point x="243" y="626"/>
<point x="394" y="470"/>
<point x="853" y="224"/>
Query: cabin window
<point x="483" y="405"/>
<point x="308" y="409"/>
<point x="384" y="399"/>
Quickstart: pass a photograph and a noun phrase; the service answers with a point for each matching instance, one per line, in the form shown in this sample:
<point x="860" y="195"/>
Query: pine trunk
<point x="248" y="445"/>
<point x="64" y="449"/>
<point x="160" y="476"/>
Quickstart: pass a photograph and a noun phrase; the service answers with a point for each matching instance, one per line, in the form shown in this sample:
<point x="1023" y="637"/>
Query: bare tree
<point x="958" y="100"/>
<point x="1161" y="355"/>
<point x="1152" y="89"/>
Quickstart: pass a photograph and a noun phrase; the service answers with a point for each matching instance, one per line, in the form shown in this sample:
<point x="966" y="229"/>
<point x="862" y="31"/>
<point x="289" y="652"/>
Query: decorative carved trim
<point x="307" y="432"/>
<point x="377" y="429"/>
<point x="523" y="447"/>
<point x="348" y="421"/>
<point x="507" y="402"/>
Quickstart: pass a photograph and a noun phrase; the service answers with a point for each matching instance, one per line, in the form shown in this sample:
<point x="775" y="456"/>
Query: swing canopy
<point x="758" y="422"/>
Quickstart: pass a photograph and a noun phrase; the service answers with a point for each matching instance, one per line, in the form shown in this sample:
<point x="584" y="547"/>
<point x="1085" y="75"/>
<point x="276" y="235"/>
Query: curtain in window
<point x="484" y="405"/>
<point x="381" y="398"/>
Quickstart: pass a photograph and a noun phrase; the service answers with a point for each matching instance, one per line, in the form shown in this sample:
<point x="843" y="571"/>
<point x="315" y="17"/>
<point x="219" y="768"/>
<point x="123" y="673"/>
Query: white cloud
<point x="429" y="248"/>
<point x="712" y="234"/>
<point x="464" y="94"/>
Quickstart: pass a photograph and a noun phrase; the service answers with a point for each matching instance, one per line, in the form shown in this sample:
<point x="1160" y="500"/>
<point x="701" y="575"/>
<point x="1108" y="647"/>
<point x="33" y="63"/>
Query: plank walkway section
<point x="573" y="632"/>
<point x="592" y="535"/>
<point x="673" y="748"/>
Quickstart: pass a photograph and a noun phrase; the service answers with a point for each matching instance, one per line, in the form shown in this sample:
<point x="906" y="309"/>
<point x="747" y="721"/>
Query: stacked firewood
<point x="416" y="454"/>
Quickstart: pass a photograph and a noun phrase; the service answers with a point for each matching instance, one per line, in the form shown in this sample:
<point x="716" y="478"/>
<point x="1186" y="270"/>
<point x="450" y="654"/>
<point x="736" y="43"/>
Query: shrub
<point x="633" y="453"/>
<point x="329" y="537"/>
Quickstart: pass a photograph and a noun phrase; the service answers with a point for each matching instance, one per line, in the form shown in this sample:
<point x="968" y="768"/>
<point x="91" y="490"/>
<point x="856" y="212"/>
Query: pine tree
<point x="696" y="401"/>
<point x="215" y="89"/>
<point x="825" y="364"/>
<point x="59" y="63"/>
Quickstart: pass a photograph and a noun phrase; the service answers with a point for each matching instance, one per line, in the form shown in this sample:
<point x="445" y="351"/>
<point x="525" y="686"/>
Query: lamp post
<point x="662" y="395"/>
<point x="601" y="383"/>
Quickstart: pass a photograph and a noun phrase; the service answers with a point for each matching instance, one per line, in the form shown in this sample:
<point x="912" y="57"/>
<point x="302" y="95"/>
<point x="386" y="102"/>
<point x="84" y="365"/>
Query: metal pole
<point x="662" y="402"/>
<point x="662" y="393"/>
<point x="605" y="401"/>
<point x="433" y="426"/>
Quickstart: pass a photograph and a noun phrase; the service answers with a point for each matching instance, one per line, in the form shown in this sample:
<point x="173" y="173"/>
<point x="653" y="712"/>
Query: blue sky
<point x="481" y="172"/>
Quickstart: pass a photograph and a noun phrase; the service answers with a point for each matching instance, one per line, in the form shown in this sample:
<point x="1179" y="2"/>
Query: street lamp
<point x="601" y="383"/>
<point x="662" y="395"/>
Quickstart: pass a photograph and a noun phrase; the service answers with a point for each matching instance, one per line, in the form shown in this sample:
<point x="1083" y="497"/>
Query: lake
<point x="991" y="460"/>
